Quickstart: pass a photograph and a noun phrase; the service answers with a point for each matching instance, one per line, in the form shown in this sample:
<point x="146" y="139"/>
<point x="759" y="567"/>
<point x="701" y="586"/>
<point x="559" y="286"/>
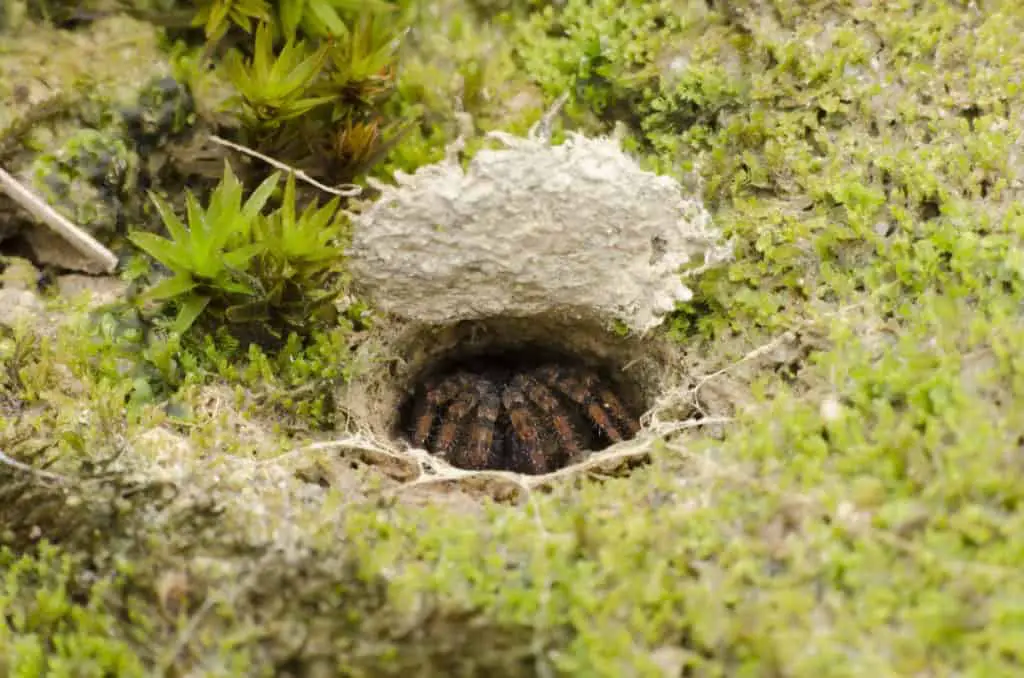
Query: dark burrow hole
<point x="528" y="409"/>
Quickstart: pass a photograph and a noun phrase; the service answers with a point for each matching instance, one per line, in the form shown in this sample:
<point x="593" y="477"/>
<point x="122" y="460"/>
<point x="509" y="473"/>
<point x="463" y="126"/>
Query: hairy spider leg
<point x="451" y="421"/>
<point x="580" y="388"/>
<point x="477" y="452"/>
<point x="609" y="401"/>
<point x="436" y="395"/>
<point x="543" y="398"/>
<point x="531" y="457"/>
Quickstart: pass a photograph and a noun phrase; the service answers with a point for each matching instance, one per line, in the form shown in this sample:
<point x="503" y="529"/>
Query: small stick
<point x="349" y="190"/>
<point x="14" y="463"/>
<point x="79" y="239"/>
<point x="541" y="130"/>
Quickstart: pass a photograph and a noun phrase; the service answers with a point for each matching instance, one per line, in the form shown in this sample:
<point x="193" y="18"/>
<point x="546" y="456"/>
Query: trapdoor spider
<point x="525" y="419"/>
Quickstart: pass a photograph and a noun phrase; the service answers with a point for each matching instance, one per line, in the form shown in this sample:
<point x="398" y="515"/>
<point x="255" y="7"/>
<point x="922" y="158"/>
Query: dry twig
<point x="79" y="239"/>
<point x="31" y="470"/>
<point x="346" y="191"/>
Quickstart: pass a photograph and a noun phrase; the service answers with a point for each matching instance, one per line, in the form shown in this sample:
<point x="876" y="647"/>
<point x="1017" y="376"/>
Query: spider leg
<point x="437" y="394"/>
<point x="586" y="390"/>
<point x="528" y="454"/>
<point x="611" y="403"/>
<point x="448" y="436"/>
<point x="477" y="453"/>
<point x="541" y="396"/>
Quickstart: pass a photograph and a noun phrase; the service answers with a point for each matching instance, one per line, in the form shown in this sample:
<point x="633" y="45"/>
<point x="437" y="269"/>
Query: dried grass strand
<point x="345" y="191"/>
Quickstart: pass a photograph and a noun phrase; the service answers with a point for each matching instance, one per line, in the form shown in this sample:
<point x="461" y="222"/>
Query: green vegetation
<point x="47" y="632"/>
<point x="234" y="265"/>
<point x="321" y="18"/>
<point x="306" y="81"/>
<point x="309" y="79"/>
<point x="863" y="514"/>
<point x="90" y="162"/>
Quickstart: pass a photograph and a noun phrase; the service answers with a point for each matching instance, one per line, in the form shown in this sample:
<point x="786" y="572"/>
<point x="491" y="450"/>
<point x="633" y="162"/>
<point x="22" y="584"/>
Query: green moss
<point x="89" y="176"/>
<point x="450" y="61"/>
<point x="163" y="112"/>
<point x="81" y="117"/>
<point x="863" y="513"/>
<point x="49" y="630"/>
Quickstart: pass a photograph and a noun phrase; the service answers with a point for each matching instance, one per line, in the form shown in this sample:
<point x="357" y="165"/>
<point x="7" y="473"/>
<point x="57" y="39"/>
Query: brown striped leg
<point x="586" y="390"/>
<point x="476" y="454"/>
<point x="528" y="454"/>
<point x="451" y="424"/>
<point x="437" y="394"/>
<point x="541" y="396"/>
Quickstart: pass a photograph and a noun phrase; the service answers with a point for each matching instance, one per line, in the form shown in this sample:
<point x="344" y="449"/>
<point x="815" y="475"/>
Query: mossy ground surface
<point x="861" y="514"/>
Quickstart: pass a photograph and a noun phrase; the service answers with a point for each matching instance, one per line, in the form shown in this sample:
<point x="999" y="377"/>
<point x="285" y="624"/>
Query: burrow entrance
<point x="529" y="395"/>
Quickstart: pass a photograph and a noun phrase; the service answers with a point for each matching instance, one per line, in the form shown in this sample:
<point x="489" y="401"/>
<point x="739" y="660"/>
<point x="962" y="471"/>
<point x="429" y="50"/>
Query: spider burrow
<point x="530" y="419"/>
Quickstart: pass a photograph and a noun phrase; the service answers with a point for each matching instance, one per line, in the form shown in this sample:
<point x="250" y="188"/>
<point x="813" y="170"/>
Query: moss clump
<point x="54" y="625"/>
<point x="97" y="175"/>
<point x="164" y="112"/>
<point x="77" y="110"/>
<point x="91" y="175"/>
<point x="450" y="62"/>
<point x="306" y="81"/>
